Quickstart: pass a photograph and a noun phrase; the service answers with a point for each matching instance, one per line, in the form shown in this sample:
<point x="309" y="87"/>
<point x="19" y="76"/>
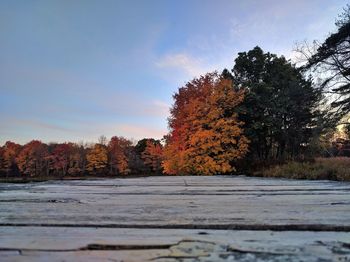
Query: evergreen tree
<point x="280" y="109"/>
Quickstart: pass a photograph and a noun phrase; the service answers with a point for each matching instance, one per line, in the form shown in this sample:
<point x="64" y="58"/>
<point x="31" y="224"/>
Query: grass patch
<point x="336" y="168"/>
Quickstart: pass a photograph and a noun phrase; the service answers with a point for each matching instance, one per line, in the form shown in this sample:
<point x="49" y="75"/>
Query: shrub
<point x="336" y="168"/>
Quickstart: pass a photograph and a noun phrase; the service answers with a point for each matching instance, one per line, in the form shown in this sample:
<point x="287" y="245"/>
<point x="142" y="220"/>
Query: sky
<point x="76" y="70"/>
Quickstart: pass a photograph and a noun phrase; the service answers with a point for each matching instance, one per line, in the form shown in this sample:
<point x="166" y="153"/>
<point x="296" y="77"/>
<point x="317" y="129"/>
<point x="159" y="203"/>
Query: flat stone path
<point x="219" y="218"/>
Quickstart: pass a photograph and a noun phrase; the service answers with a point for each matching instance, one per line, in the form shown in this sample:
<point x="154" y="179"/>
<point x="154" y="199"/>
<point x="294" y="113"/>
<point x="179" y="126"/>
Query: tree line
<point x="264" y="110"/>
<point x="118" y="156"/>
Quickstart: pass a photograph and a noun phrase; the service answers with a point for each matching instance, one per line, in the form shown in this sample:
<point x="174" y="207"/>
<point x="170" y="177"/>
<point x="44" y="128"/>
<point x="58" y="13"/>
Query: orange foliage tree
<point x="152" y="155"/>
<point x="10" y="151"/>
<point x="205" y="136"/>
<point x="97" y="159"/>
<point x="118" y="149"/>
<point x="32" y="160"/>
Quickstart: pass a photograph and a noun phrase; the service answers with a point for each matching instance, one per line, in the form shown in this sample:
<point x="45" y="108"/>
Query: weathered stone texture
<point x="218" y="218"/>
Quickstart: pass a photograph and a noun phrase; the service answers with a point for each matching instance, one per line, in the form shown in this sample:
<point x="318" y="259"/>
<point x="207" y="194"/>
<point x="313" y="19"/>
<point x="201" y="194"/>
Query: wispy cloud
<point x="88" y="131"/>
<point x="34" y="124"/>
<point x="132" y="106"/>
<point x="23" y="130"/>
<point x="187" y="64"/>
<point x="141" y="131"/>
<point x="157" y="108"/>
<point x="129" y="130"/>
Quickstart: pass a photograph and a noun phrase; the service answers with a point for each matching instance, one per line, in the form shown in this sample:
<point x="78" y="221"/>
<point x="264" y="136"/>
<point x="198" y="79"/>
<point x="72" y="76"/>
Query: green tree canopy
<point x="280" y="109"/>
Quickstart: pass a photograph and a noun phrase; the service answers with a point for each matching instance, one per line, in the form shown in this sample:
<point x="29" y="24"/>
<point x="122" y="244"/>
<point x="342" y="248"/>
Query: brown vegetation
<point x="334" y="168"/>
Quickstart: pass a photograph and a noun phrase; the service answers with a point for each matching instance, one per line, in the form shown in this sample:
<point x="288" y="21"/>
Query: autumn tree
<point x="77" y="160"/>
<point x="97" y="159"/>
<point x="137" y="163"/>
<point x="205" y="136"/>
<point x="152" y="155"/>
<point x="60" y="159"/>
<point x="142" y="143"/>
<point x="32" y="159"/>
<point x="118" y="153"/>
<point x="2" y="162"/>
<point x="10" y="152"/>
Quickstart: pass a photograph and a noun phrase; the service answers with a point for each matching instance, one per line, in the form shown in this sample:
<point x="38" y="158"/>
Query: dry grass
<point x="336" y="168"/>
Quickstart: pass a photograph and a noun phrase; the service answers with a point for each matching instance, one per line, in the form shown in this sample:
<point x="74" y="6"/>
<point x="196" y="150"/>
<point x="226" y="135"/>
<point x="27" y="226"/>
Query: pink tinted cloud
<point x="141" y="131"/>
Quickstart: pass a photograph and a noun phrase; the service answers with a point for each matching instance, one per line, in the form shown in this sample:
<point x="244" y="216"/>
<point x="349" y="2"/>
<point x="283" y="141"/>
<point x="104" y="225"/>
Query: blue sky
<point x="75" y="70"/>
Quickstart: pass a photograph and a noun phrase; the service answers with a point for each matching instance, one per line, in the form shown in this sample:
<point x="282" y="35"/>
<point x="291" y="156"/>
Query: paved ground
<point x="175" y="219"/>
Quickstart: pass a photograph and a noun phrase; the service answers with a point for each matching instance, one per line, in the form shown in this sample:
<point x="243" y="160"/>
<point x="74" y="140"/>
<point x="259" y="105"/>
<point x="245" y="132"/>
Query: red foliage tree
<point x="61" y="158"/>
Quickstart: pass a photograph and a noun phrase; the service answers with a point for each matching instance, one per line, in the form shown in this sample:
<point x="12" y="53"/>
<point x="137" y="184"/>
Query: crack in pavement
<point x="253" y="227"/>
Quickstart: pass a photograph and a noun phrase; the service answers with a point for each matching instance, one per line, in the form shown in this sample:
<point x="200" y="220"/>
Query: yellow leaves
<point x="97" y="158"/>
<point x="206" y="136"/>
<point x="175" y="162"/>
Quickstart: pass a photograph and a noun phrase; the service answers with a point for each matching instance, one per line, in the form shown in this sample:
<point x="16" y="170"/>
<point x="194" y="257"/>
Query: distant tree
<point x="141" y="144"/>
<point x="118" y="152"/>
<point x="281" y="107"/>
<point x="97" y="159"/>
<point x="10" y="152"/>
<point x="205" y="135"/>
<point x="31" y="160"/>
<point x="2" y="162"/>
<point x="152" y="155"/>
<point x="135" y="163"/>
<point x="102" y="140"/>
<point x="77" y="161"/>
<point x="138" y="164"/>
<point x="60" y="159"/>
<point x="331" y="62"/>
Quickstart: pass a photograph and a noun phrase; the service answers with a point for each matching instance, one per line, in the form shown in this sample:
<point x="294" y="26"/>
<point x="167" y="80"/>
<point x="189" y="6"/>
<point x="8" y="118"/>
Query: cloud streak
<point x="187" y="64"/>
